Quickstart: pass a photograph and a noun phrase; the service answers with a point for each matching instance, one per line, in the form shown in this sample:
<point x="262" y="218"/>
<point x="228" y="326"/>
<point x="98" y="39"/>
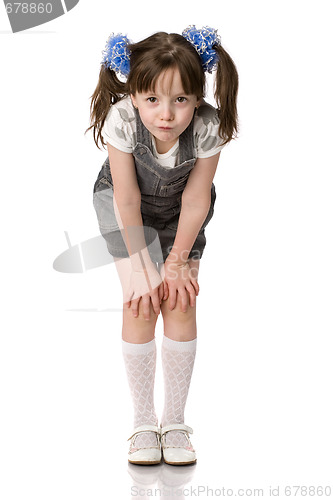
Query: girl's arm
<point x="196" y="200"/>
<point x="127" y="204"/>
<point x="127" y="200"/>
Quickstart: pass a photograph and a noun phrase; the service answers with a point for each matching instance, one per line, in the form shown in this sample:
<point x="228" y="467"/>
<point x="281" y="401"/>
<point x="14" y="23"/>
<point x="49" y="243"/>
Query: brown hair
<point x="151" y="57"/>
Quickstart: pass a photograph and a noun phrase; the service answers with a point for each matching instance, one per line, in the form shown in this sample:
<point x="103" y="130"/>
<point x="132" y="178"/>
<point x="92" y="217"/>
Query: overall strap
<point x="186" y="143"/>
<point x="142" y="133"/>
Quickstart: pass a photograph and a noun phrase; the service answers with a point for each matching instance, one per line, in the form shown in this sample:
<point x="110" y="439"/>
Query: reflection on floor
<point x="160" y="481"/>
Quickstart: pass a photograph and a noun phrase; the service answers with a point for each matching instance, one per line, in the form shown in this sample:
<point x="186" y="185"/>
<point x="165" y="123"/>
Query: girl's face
<point x="168" y="111"/>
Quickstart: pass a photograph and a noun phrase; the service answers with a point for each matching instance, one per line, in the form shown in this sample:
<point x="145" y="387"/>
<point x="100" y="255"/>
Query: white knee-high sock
<point x="140" y="364"/>
<point x="177" y="361"/>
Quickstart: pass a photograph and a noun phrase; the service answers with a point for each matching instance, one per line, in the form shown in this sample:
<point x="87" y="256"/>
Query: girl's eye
<point x="152" y="99"/>
<point x="181" y="99"/>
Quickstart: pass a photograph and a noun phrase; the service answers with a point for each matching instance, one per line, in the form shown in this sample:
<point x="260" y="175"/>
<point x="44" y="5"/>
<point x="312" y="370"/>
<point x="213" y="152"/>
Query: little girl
<point x="153" y="197"/>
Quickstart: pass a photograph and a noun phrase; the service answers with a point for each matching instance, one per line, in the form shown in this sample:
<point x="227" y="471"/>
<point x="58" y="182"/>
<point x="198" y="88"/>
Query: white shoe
<point x="178" y="455"/>
<point x="145" y="456"/>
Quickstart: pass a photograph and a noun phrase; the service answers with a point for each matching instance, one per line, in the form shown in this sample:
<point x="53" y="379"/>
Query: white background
<point x="261" y="395"/>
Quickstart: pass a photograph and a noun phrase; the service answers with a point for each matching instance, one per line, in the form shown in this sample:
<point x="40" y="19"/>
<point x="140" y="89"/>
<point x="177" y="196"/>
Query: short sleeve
<point x="119" y="128"/>
<point x="206" y="132"/>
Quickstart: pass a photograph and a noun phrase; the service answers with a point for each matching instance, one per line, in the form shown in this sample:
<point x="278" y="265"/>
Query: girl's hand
<point x="146" y="285"/>
<point x="178" y="278"/>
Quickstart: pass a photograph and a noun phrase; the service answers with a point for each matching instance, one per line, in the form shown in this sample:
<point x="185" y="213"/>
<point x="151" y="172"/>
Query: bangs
<point x="147" y="79"/>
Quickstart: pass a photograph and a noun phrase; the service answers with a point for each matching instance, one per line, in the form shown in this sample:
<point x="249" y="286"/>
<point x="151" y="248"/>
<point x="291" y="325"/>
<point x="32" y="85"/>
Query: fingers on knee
<point x="177" y="314"/>
<point x="142" y="314"/>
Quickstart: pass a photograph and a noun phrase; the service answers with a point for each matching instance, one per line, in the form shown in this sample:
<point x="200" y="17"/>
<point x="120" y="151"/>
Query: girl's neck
<point x="163" y="147"/>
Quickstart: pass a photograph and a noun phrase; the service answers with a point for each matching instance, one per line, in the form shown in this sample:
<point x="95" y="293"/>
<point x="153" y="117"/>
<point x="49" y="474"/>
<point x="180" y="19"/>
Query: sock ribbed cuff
<point x="129" y="348"/>
<point x="175" y="345"/>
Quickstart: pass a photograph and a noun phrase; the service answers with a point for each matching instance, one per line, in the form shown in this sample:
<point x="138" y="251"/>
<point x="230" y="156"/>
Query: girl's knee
<point x="138" y="329"/>
<point x="178" y="325"/>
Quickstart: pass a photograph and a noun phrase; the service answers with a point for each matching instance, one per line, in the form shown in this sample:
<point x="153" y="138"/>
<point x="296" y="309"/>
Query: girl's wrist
<point x="178" y="258"/>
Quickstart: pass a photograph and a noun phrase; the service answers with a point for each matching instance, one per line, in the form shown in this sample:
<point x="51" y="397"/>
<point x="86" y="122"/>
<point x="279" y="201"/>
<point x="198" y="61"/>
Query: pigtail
<point x="225" y="93"/>
<point x="109" y="90"/>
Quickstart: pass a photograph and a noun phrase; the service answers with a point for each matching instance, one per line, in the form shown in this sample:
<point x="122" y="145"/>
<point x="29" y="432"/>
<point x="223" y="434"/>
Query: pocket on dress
<point x="174" y="187"/>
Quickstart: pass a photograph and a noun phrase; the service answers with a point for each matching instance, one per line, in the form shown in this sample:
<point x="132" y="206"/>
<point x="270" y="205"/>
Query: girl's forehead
<point x="169" y="83"/>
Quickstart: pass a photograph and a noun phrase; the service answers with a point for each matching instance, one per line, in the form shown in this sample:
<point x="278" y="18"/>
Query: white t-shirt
<point x="119" y="130"/>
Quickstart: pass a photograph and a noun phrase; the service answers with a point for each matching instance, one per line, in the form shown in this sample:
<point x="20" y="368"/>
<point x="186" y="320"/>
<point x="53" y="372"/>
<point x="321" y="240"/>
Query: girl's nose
<point x="166" y="113"/>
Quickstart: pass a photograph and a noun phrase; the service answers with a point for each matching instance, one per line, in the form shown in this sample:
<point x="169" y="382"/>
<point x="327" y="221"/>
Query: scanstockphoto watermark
<point x="195" y="491"/>
<point x="192" y="491"/>
<point x="204" y="491"/>
<point x="93" y="253"/>
<point x="144" y="262"/>
<point x="25" y="15"/>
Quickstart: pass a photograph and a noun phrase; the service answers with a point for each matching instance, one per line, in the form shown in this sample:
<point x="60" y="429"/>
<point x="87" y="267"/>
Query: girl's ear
<point x="199" y="102"/>
<point x="134" y="101"/>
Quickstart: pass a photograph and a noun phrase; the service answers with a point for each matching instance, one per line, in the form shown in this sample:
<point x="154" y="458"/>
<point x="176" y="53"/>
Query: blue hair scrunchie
<point x="116" y="55"/>
<point x="203" y="41"/>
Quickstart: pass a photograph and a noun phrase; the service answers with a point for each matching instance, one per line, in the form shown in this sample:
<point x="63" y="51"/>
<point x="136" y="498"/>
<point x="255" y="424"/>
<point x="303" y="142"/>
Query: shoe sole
<point x="141" y="462"/>
<point x="180" y="463"/>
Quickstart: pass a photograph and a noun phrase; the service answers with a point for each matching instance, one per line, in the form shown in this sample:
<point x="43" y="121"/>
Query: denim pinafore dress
<point x="161" y="191"/>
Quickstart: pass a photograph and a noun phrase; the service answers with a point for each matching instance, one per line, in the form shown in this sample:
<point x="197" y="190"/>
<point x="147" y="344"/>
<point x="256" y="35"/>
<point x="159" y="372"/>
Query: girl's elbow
<point x="203" y="200"/>
<point x="128" y="199"/>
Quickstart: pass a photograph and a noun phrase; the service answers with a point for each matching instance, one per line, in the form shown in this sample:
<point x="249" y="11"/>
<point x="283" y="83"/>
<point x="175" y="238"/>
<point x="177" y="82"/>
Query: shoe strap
<point x="176" y="427"/>
<point x="144" y="428"/>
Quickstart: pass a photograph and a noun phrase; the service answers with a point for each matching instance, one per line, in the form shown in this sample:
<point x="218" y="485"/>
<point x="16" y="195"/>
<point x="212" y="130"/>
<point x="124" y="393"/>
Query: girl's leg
<point x="135" y="330"/>
<point x="178" y="355"/>
<point x="139" y="352"/>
